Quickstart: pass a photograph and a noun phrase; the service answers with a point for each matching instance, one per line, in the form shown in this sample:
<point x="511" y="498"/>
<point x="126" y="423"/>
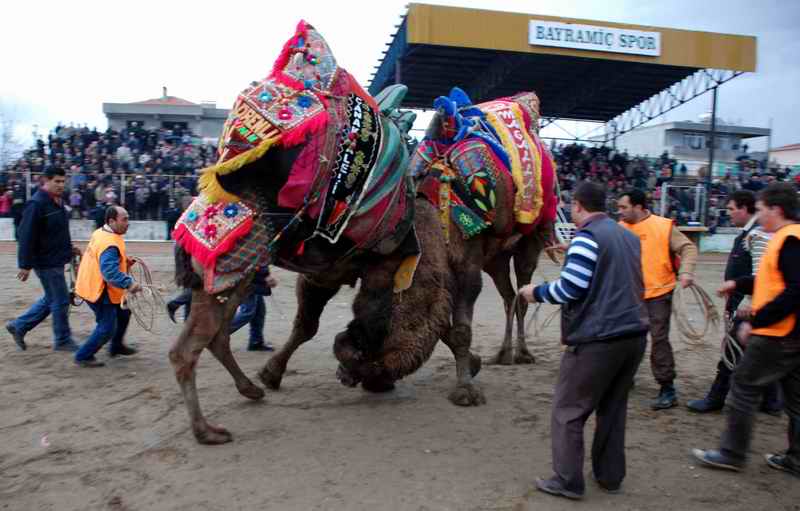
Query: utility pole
<point x="712" y="144"/>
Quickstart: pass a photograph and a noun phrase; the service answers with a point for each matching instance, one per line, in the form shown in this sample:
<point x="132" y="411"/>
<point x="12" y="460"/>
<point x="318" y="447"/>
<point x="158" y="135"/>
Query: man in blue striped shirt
<point x="604" y="326"/>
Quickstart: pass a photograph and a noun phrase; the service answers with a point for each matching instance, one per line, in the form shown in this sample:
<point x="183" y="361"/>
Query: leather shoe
<point x="705" y="405"/>
<point x="89" y="363"/>
<point x="18" y="337"/>
<point x="124" y="351"/>
<point x="262" y="346"/>
<point x="667" y="398"/>
<point x="69" y="346"/>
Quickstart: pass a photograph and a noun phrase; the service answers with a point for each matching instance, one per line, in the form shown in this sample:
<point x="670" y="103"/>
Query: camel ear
<point x="390" y="98"/>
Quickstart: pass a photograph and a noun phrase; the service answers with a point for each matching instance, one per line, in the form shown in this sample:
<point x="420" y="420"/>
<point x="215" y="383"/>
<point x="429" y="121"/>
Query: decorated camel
<point x="312" y="176"/>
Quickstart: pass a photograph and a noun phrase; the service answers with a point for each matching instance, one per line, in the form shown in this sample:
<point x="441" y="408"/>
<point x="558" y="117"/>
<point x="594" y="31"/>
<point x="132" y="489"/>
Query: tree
<point x="10" y="147"/>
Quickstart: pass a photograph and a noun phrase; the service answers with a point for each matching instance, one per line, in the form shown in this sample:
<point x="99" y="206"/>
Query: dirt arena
<point x="117" y="437"/>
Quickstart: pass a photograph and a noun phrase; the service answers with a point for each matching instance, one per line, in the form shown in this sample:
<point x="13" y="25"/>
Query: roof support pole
<point x="398" y="70"/>
<point x="712" y="145"/>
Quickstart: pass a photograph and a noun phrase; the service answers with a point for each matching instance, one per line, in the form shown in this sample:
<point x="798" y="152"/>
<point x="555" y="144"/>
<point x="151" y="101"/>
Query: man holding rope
<point x="604" y="327"/>
<point x="102" y="282"/>
<point x="771" y="336"/>
<point x="661" y="242"/>
<point x="742" y="262"/>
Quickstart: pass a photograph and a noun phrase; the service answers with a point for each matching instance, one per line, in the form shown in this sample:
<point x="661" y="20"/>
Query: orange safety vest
<point x="769" y="282"/>
<point x="657" y="266"/>
<point x="90" y="283"/>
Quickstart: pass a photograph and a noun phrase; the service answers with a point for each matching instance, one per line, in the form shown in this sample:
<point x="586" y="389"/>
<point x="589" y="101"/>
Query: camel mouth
<point x="347" y="378"/>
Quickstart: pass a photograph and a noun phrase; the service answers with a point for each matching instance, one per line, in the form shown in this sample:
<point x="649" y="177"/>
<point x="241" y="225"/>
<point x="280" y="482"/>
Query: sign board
<point x="594" y="38"/>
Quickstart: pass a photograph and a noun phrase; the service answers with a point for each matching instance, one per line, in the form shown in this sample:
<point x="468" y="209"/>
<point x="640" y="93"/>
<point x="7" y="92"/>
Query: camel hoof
<point x="503" y="358"/>
<point x="213" y="435"/>
<point x="377" y="385"/>
<point x="474" y="364"/>
<point x="524" y="357"/>
<point x="252" y="391"/>
<point x="270" y="377"/>
<point x="467" y="395"/>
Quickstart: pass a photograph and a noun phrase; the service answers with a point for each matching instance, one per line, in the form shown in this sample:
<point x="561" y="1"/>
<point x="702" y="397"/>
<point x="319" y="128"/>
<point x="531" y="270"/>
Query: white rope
<point x="147" y="303"/>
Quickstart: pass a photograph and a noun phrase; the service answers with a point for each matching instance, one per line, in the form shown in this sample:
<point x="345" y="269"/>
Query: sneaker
<point x="18" y="337"/>
<point x="262" y="346"/>
<point x="716" y="459"/>
<point x="667" y="398"/>
<point x="554" y="487"/>
<point x="781" y="462"/>
<point x="69" y="346"/>
<point x="89" y="363"/>
<point x="123" y="351"/>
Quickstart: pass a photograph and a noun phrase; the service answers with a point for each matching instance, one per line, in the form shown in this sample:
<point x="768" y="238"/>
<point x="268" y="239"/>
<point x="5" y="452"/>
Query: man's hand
<point x="744" y="312"/>
<point x="686" y="280"/>
<point x="22" y="275"/>
<point x="131" y="261"/>
<point x="743" y="334"/>
<point x="76" y="251"/>
<point x="135" y="288"/>
<point x="526" y="292"/>
<point x="271" y="282"/>
<point x="727" y="289"/>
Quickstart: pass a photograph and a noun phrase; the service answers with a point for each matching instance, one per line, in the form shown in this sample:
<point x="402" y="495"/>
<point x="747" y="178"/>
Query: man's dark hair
<point x="744" y="199"/>
<point x="111" y="213"/>
<point x="52" y="172"/>
<point x="784" y="196"/>
<point x="592" y="196"/>
<point x="636" y="196"/>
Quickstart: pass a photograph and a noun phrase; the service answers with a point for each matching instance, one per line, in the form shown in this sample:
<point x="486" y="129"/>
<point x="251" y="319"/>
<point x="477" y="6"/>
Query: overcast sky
<point x="62" y="60"/>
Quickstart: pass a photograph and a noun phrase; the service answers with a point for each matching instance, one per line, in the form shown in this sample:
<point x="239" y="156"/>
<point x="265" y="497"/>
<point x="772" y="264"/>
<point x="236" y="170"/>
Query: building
<point x="688" y="142"/>
<point x="785" y="156"/>
<point x="204" y="120"/>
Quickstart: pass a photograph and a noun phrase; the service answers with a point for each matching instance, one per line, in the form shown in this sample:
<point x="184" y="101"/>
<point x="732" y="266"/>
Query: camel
<point x="323" y="197"/>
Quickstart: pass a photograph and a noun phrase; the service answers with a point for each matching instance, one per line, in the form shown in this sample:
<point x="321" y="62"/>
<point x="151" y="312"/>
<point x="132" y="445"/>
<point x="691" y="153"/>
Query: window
<point x="693" y="141"/>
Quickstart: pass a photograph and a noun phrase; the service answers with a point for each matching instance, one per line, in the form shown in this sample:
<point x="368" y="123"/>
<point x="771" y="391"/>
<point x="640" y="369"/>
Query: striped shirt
<point x="576" y="274"/>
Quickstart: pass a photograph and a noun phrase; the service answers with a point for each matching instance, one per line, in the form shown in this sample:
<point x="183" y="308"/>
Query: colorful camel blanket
<point x="349" y="177"/>
<point x="506" y="129"/>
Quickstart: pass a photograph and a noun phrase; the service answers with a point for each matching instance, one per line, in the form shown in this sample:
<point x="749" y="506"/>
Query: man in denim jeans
<point x="45" y="246"/>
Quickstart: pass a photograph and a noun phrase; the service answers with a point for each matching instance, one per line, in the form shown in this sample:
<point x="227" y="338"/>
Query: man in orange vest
<point x="661" y="243"/>
<point x="771" y="336"/>
<point x="102" y="282"/>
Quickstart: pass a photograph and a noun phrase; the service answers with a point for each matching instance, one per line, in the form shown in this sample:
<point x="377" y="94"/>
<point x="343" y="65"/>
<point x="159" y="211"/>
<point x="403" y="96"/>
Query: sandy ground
<point x="117" y="437"/>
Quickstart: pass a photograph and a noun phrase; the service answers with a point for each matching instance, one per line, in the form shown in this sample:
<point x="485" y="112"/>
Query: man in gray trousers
<point x="604" y="328"/>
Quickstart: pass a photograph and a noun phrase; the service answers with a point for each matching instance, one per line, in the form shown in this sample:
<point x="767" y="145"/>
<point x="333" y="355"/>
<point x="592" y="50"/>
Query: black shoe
<point x="18" y="337"/>
<point x="716" y="459"/>
<point x="69" y="346"/>
<point x="124" y="351"/>
<point x="262" y="346"/>
<point x="89" y="363"/>
<point x="667" y="398"/>
<point x="781" y="462"/>
<point x="705" y="405"/>
<point x="613" y="490"/>
<point x="773" y="410"/>
<point x="172" y="307"/>
<point x="554" y="487"/>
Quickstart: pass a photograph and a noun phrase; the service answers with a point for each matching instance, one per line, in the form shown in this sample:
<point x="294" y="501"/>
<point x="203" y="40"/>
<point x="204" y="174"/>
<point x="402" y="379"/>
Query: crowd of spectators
<point x="147" y="171"/>
<point x="152" y="172"/>
<point x="618" y="172"/>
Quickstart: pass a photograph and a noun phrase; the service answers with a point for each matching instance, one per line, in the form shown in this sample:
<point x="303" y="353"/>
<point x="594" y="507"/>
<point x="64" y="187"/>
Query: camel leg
<point x="459" y="339"/>
<point x="311" y="300"/>
<point x="499" y="269"/>
<point x="200" y="328"/>
<point x="525" y="261"/>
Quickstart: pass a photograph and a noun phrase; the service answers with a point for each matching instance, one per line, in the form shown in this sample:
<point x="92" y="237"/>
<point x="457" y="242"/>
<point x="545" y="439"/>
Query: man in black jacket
<point x="45" y="247"/>
<point x="741" y="208"/>
<point x="604" y="325"/>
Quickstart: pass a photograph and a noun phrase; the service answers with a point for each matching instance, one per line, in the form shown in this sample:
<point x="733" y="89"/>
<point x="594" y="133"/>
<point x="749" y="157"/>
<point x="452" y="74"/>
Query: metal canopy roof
<point x="487" y="54"/>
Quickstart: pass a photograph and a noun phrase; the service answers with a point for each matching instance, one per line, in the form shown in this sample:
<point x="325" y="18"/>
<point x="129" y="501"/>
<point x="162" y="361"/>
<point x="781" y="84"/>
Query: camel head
<point x="285" y="130"/>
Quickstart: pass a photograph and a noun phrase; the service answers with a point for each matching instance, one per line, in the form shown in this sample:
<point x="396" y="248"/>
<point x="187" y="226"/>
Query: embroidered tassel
<point x="301" y="248"/>
<point x="298" y="134"/>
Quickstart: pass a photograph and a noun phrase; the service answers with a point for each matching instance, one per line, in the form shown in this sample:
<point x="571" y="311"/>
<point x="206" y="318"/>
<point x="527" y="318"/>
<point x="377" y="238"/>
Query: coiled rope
<point x="684" y="317"/>
<point x="74" y="264"/>
<point x="147" y="303"/>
